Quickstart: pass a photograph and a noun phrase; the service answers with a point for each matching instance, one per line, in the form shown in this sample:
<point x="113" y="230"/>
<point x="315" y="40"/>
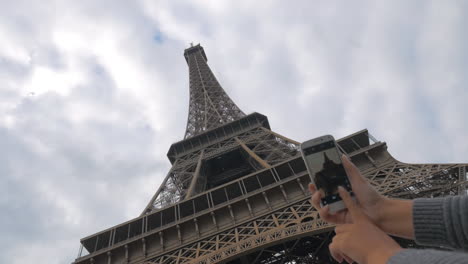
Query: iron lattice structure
<point x="237" y="191"/>
<point x="210" y="106"/>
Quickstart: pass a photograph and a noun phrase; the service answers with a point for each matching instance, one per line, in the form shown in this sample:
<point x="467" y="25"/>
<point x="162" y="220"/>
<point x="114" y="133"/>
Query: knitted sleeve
<point x="441" y="222"/>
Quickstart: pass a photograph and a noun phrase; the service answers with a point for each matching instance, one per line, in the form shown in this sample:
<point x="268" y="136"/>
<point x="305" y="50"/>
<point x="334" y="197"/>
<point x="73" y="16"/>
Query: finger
<point x="331" y="218"/>
<point x="312" y="188"/>
<point x="342" y="228"/>
<point x="349" y="202"/>
<point x="338" y="218"/>
<point x="316" y="200"/>
<point x="354" y="174"/>
<point x="335" y="253"/>
<point x="340" y="257"/>
<point x="323" y="211"/>
<point x="325" y="214"/>
<point x="348" y="259"/>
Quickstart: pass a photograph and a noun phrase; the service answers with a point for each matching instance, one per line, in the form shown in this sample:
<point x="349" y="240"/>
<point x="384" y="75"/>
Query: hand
<point x="368" y="198"/>
<point x="361" y="240"/>
<point x="393" y="216"/>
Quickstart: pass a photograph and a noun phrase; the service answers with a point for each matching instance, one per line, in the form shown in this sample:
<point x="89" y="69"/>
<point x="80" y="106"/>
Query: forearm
<point x="396" y="218"/>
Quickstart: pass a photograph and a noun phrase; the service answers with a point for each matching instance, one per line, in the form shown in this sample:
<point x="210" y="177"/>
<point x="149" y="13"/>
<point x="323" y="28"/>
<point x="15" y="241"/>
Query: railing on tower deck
<point x="194" y="206"/>
<point x="217" y="134"/>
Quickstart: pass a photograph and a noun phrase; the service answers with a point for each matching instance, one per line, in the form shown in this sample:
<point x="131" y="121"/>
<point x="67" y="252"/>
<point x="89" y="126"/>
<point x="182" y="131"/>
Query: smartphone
<point x="323" y="162"/>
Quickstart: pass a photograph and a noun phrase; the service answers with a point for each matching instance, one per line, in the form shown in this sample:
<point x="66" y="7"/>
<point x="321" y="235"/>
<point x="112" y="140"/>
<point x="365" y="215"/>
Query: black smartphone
<point x="323" y="162"/>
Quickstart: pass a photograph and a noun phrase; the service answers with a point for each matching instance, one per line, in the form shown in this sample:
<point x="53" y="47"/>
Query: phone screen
<point x="327" y="170"/>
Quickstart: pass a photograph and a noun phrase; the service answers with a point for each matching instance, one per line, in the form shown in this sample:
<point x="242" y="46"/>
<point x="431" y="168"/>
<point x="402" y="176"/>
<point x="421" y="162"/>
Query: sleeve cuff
<point x="426" y="256"/>
<point x="428" y="221"/>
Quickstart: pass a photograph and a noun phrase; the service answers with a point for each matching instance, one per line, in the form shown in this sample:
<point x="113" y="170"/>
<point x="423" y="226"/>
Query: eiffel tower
<point x="237" y="191"/>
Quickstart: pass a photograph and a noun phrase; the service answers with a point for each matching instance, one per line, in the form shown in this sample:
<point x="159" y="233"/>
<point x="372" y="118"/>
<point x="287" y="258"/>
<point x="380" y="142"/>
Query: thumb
<point x="350" y="203"/>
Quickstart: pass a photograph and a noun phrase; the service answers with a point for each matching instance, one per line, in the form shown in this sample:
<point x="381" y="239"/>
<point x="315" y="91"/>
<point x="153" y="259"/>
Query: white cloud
<point x="44" y="79"/>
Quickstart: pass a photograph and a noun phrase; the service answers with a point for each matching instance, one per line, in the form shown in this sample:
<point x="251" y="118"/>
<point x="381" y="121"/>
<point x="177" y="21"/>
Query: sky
<point x="93" y="93"/>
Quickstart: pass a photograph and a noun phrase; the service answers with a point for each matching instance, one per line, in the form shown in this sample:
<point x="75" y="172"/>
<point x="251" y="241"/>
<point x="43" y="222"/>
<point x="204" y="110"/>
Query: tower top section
<point x="194" y="49"/>
<point x="210" y="106"/>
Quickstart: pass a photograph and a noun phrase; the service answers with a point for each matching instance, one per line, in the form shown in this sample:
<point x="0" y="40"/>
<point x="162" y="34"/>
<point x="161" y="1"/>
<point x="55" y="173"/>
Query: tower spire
<point x="210" y="106"/>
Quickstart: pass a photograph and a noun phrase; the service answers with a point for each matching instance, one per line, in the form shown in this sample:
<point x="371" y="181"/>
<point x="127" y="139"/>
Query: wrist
<point x="384" y="215"/>
<point x="395" y="217"/>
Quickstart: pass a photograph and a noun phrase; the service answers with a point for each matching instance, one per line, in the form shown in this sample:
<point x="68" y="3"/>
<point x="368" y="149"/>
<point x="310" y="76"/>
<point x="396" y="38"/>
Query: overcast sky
<point x="93" y="93"/>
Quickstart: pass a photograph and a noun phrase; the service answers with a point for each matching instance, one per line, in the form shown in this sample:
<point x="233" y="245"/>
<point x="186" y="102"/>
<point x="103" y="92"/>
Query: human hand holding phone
<point x="393" y="216"/>
<point x="369" y="199"/>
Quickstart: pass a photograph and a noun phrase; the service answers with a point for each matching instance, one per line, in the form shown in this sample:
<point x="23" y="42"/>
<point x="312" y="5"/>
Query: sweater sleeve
<point x="441" y="222"/>
<point x="428" y="256"/>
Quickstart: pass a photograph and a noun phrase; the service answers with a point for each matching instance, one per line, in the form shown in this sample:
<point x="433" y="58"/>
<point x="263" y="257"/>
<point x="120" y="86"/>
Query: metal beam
<point x="195" y="177"/>
<point x="252" y="154"/>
